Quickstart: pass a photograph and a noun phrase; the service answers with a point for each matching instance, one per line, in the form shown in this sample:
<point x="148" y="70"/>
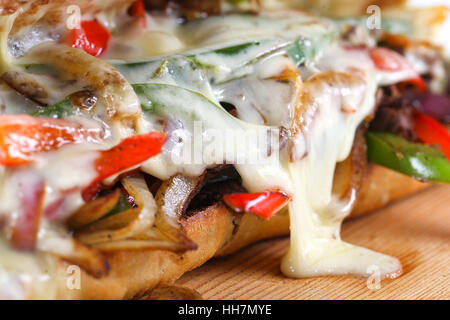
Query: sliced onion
<point x="138" y="189"/>
<point x="349" y="175"/>
<point x="151" y="239"/>
<point x="93" y="210"/>
<point x="172" y="199"/>
<point x="67" y="248"/>
<point x="27" y="85"/>
<point x="117" y="95"/>
<point x="437" y="106"/>
<point x="116" y="227"/>
<point x="133" y="229"/>
<point x="327" y="83"/>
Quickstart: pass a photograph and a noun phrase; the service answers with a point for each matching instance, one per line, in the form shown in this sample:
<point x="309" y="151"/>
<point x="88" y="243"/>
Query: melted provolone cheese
<point x="316" y="248"/>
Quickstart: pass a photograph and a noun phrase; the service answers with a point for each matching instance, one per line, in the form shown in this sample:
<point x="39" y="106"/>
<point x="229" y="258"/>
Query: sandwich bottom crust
<point x="217" y="232"/>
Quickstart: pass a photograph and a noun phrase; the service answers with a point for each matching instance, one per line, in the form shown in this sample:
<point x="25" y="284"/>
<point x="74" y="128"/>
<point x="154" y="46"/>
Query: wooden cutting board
<point x="416" y="230"/>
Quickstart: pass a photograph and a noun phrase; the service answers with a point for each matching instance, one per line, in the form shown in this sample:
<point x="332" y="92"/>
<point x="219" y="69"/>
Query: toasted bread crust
<point x="382" y="186"/>
<point x="216" y="231"/>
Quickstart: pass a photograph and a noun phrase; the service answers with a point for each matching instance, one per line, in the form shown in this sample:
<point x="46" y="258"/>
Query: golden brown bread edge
<point x="217" y="232"/>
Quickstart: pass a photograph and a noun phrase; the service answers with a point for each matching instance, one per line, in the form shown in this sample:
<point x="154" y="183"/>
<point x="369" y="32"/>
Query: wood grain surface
<point x="416" y="230"/>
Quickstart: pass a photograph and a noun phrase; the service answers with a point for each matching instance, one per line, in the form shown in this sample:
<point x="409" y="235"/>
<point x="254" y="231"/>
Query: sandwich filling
<point x="89" y="123"/>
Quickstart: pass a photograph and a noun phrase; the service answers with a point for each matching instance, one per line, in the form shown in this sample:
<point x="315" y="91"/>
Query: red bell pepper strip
<point x="389" y="60"/>
<point x="129" y="153"/>
<point x="24" y="229"/>
<point x="432" y="132"/>
<point x="137" y="10"/>
<point x="418" y="83"/>
<point x="92" y="37"/>
<point x="263" y="204"/>
<point x="22" y="136"/>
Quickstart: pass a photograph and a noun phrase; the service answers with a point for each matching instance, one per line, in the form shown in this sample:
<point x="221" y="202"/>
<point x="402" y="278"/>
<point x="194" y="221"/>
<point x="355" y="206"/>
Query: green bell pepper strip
<point x="304" y="50"/>
<point x="233" y="50"/>
<point x="171" y="101"/>
<point x="419" y="161"/>
<point x="59" y="110"/>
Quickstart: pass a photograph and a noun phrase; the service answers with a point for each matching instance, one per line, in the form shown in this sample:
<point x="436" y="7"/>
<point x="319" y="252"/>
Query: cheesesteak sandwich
<point x="139" y="139"/>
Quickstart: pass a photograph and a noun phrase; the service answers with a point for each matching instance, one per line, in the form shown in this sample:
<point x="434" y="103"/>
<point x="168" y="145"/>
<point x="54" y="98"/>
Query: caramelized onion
<point x="67" y="248"/>
<point x="307" y="103"/>
<point x="349" y="174"/>
<point x="172" y="199"/>
<point x="125" y="224"/>
<point x="93" y="210"/>
<point x="437" y="106"/>
<point x="26" y="85"/>
<point x="116" y="227"/>
<point x="134" y="229"/>
<point x="119" y="98"/>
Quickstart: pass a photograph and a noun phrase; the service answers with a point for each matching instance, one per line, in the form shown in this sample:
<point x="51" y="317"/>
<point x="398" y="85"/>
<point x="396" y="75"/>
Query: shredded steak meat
<point x="220" y="181"/>
<point x="395" y="111"/>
